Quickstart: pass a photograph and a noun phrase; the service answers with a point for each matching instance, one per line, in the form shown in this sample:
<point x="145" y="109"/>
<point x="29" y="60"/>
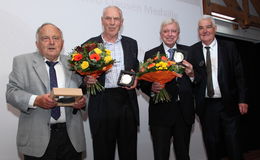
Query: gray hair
<point x="205" y="16"/>
<point x="45" y="24"/>
<point x="169" y="21"/>
<point x="119" y="10"/>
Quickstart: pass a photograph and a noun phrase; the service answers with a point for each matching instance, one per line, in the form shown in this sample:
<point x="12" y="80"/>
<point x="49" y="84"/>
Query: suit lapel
<point x="67" y="71"/>
<point x="201" y="58"/>
<point x="125" y="49"/>
<point x="221" y="50"/>
<point x="161" y="50"/>
<point x="103" y="76"/>
<point x="40" y="69"/>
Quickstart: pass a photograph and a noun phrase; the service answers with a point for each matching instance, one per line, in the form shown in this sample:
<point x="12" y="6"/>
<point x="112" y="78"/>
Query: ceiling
<point x="246" y="12"/>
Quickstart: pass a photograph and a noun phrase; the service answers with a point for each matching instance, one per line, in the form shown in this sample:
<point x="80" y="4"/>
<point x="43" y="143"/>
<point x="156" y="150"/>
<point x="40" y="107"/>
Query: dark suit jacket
<point x="163" y="113"/>
<point x="95" y="106"/>
<point x="230" y="76"/>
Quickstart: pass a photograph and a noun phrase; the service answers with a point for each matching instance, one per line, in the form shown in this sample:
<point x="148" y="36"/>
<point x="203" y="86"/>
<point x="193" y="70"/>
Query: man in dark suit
<point x="220" y="90"/>
<point x="172" y="119"/>
<point x="113" y="113"/>
<point x="45" y="130"/>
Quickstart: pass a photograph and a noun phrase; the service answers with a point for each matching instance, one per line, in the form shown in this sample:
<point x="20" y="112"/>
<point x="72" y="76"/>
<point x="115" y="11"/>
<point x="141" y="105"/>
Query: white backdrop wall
<point x="79" y="20"/>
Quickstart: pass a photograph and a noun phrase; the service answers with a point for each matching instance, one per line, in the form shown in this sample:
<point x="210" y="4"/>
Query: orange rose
<point x="164" y="58"/>
<point x="95" y="56"/>
<point x="169" y="63"/>
<point x="155" y="58"/>
<point x="151" y="65"/>
<point x="77" y="57"/>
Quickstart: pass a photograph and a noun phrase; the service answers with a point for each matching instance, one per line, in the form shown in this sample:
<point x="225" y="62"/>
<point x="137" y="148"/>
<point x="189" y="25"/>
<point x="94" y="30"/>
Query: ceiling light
<point x="222" y="16"/>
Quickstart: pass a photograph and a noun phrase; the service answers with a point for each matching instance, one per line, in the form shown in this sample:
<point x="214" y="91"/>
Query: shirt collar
<point x="212" y="44"/>
<point x="119" y="37"/>
<point x="45" y="59"/>
<point x="167" y="48"/>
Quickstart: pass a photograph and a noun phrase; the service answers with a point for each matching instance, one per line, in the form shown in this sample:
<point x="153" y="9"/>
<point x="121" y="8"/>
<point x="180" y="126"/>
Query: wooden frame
<point x="233" y="9"/>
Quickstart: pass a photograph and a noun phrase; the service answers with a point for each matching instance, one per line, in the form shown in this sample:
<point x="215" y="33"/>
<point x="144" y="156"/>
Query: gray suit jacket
<point x="30" y="77"/>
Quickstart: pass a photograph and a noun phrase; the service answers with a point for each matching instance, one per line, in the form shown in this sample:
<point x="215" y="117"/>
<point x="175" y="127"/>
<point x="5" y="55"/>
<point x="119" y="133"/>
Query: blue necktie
<point x="171" y="51"/>
<point x="55" y="112"/>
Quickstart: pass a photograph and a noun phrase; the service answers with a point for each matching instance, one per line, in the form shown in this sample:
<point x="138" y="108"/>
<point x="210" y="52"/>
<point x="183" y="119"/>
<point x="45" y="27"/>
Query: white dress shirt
<point x="214" y="66"/>
<point x="166" y="49"/>
<point x="61" y="84"/>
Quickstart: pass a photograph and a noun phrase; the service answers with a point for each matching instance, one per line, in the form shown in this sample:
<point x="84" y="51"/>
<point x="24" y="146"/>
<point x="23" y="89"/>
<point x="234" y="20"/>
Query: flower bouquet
<point x="91" y="59"/>
<point x="160" y="69"/>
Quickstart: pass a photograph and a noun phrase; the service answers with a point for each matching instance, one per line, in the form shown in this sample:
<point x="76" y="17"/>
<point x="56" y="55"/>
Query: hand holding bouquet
<point x="91" y="59"/>
<point x="160" y="69"/>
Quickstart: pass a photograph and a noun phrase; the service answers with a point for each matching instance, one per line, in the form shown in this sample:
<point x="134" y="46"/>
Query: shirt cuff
<point x="31" y="101"/>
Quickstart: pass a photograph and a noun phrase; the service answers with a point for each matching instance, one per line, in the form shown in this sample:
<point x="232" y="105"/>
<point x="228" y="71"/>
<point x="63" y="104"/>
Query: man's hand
<point x="134" y="84"/>
<point x="188" y="68"/>
<point x="80" y="103"/>
<point x="243" y="108"/>
<point x="157" y="87"/>
<point x="90" y="80"/>
<point x="45" y="101"/>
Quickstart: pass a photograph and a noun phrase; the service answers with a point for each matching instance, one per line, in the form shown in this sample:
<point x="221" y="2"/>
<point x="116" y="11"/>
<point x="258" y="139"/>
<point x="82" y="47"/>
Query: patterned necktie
<point x="55" y="112"/>
<point x="171" y="51"/>
<point x="210" y="89"/>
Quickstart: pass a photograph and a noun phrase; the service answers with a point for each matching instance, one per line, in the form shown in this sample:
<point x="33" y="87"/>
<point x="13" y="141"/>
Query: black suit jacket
<point x="163" y="113"/>
<point x="96" y="105"/>
<point x="230" y="76"/>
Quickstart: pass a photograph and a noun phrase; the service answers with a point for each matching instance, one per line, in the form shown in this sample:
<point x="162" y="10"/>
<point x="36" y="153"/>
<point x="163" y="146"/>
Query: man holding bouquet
<point x="113" y="113"/>
<point x="172" y="119"/>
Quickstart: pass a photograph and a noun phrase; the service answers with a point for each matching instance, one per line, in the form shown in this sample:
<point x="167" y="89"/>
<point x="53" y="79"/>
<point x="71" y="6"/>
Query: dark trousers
<point x="162" y="137"/>
<point x="59" y="147"/>
<point x="117" y="128"/>
<point x="217" y="127"/>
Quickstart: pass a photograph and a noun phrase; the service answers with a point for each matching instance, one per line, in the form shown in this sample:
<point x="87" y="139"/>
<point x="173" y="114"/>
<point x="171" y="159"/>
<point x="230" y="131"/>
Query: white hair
<point x="208" y="17"/>
<point x="169" y="21"/>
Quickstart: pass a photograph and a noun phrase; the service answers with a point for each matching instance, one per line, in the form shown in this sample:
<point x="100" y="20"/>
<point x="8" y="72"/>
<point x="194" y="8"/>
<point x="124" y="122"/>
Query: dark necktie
<point x="171" y="51"/>
<point x="55" y="112"/>
<point x="210" y="89"/>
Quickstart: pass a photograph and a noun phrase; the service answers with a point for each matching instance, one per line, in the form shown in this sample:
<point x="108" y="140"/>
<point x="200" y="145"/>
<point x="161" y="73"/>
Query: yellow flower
<point x="161" y="65"/>
<point x="84" y="65"/>
<point x="97" y="51"/>
<point x="107" y="59"/>
<point x="108" y="52"/>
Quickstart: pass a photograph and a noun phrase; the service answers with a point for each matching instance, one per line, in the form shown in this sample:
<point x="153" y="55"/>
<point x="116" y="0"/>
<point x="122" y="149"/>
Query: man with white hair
<point x="220" y="90"/>
<point x="174" y="119"/>
<point x="114" y="113"/>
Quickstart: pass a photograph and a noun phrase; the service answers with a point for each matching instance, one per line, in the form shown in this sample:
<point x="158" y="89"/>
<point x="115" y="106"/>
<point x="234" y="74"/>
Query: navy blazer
<point x="95" y="106"/>
<point x="163" y="113"/>
<point x="230" y="76"/>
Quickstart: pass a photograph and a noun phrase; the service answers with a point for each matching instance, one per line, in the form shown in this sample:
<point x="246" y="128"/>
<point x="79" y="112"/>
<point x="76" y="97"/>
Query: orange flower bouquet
<point x="91" y="59"/>
<point x="160" y="69"/>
